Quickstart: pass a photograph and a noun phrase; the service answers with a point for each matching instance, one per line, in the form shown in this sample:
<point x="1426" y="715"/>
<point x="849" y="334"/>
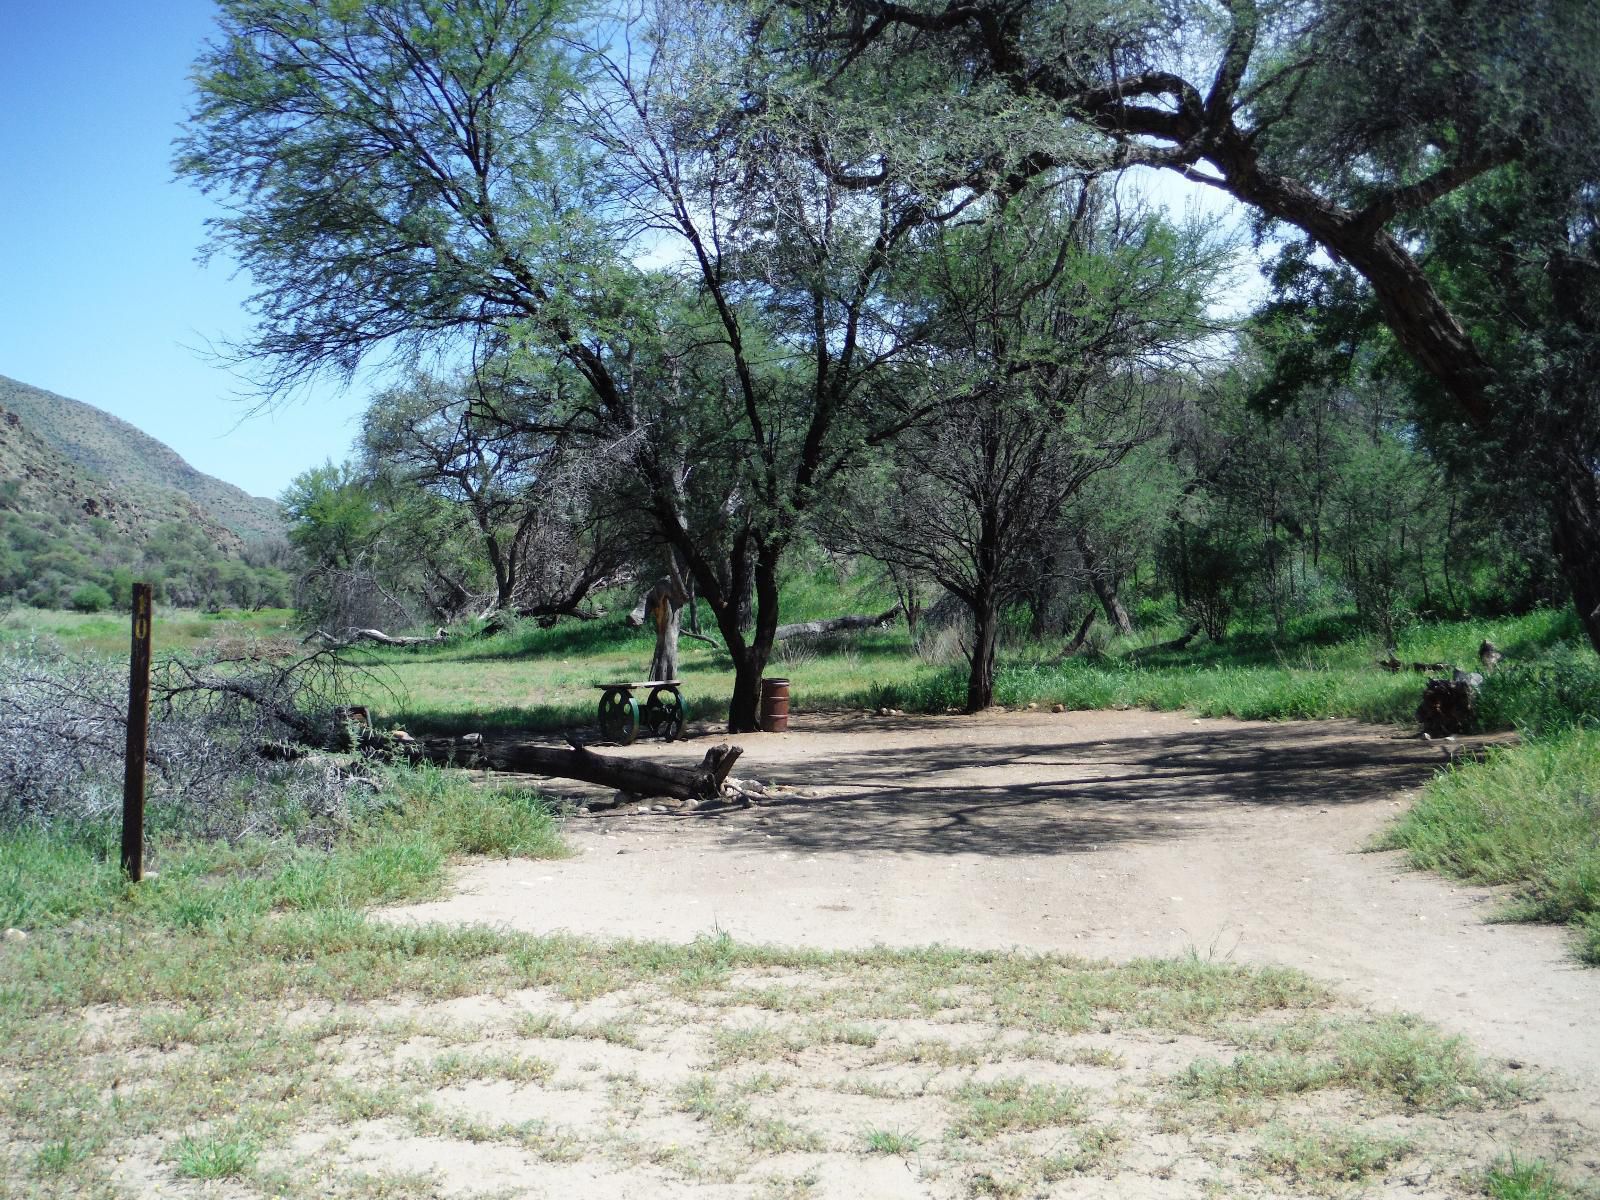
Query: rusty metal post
<point x="138" y="736"/>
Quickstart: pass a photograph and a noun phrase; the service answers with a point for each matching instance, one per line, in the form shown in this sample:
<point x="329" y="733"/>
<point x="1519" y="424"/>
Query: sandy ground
<point x="1105" y="834"/>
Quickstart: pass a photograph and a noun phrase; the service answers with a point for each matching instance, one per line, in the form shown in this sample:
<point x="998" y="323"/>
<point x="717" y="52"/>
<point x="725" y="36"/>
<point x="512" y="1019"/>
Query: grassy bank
<point x="398" y="849"/>
<point x="1527" y="818"/>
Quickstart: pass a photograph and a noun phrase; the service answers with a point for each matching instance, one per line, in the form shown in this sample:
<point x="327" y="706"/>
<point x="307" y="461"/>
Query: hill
<point x="135" y="467"/>
<point x="85" y="510"/>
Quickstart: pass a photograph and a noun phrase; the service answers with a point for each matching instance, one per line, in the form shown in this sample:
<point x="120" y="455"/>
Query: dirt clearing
<point x="1102" y="834"/>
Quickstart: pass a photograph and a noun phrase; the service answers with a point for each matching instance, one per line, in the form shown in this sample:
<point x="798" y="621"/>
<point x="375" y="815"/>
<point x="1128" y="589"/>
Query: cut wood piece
<point x="835" y="625"/>
<point x="636" y="775"/>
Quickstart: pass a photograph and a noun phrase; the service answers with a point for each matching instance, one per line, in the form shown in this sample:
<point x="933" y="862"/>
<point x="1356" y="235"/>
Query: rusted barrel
<point x="774" y="705"/>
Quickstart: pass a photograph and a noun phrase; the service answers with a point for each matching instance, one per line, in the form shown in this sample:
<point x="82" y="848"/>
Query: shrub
<point x="91" y="598"/>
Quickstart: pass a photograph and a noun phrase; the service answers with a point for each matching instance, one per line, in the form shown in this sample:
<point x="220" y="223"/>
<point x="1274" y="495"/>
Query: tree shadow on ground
<point x="1040" y="798"/>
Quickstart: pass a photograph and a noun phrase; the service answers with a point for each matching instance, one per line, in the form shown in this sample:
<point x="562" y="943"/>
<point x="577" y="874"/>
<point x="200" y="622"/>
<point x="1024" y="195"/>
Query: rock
<point x="1058" y="708"/>
<point x="883" y="712"/>
<point x="624" y="798"/>
<point x="583" y="810"/>
<point x="15" y="935"/>
<point x="1033" y="708"/>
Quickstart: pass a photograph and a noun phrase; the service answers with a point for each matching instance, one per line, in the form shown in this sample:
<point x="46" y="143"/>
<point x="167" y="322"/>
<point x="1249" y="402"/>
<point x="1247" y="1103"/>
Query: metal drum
<point x="774" y="705"/>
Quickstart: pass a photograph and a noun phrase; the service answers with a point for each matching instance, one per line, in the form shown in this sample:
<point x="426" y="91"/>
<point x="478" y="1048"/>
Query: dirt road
<point x="1104" y="834"/>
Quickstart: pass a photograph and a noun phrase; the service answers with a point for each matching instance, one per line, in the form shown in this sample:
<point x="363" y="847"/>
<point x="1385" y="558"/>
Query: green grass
<point x="1519" y="1179"/>
<point x="1397" y="1058"/>
<point x="218" y="1156"/>
<point x="50" y="878"/>
<point x="1327" y="1155"/>
<point x="891" y="1141"/>
<point x="1013" y="1105"/>
<point x="174" y="630"/>
<point x="1527" y="818"/>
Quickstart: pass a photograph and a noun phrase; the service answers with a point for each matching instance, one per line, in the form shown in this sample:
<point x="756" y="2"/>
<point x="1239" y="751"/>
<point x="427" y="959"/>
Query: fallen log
<point x="835" y="625"/>
<point x="1181" y="642"/>
<point x="352" y="636"/>
<point x="636" y="775"/>
<point x="1394" y="665"/>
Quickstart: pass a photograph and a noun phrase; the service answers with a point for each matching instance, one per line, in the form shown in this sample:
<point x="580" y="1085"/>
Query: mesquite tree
<point x="1061" y="326"/>
<point x="1351" y="123"/>
<point x="496" y="176"/>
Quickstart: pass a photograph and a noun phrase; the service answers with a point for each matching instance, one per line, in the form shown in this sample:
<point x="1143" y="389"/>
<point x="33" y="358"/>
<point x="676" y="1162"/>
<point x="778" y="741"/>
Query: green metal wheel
<point x="619" y="717"/>
<point x="663" y="713"/>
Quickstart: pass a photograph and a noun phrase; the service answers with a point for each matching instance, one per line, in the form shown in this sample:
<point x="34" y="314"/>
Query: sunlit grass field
<point x="174" y="631"/>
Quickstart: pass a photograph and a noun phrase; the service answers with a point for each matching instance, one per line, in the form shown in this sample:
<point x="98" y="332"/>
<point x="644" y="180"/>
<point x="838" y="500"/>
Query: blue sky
<point x="101" y="298"/>
<point x="100" y="295"/>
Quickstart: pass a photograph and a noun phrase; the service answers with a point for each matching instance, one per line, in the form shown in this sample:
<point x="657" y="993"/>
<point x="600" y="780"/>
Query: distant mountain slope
<point x="39" y="478"/>
<point x="135" y="467"/>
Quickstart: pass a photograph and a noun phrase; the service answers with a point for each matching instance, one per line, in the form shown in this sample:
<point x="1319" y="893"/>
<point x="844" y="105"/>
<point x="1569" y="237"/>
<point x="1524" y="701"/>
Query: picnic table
<point x="621" y="714"/>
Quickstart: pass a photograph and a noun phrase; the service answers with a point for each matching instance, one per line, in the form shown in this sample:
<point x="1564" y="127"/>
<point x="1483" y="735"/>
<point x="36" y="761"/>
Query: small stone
<point x="1514" y="1063"/>
<point x="1033" y="708"/>
<point x="583" y="810"/>
<point x="883" y="712"/>
<point x="15" y="935"/>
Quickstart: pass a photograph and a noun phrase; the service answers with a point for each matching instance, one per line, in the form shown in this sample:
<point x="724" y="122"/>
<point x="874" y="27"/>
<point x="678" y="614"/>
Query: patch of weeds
<point x="1327" y="1154"/>
<point x="1397" y="1056"/>
<point x="1402" y="1057"/>
<point x="1227" y="1114"/>
<point x="788" y="1187"/>
<point x="726" y="1110"/>
<point x="932" y="1051"/>
<point x="548" y="1025"/>
<point x="1094" y="1056"/>
<point x="216" y="1156"/>
<point x="456" y="1068"/>
<point x="60" y="1156"/>
<point x="1013" y="1105"/>
<point x="774" y="1135"/>
<point x="537" y="1137"/>
<point x="781" y="999"/>
<point x="832" y="1034"/>
<point x="1254" y="1076"/>
<point x="1512" y="1178"/>
<point x="891" y="1141"/>
<point x="705" y="1100"/>
<point x="1096" y="1146"/>
<point x="751" y="1043"/>
<point x="355" y="1102"/>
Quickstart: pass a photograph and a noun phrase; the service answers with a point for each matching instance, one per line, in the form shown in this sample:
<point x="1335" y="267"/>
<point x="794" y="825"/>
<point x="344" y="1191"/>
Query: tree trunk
<point x="1104" y="586"/>
<point x="1575" y="528"/>
<point x="750" y="652"/>
<point x="985" y="638"/>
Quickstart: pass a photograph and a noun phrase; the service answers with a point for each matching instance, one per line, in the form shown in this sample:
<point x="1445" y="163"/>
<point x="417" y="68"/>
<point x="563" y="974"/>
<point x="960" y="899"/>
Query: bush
<point x="91" y="598"/>
<point x="1556" y="691"/>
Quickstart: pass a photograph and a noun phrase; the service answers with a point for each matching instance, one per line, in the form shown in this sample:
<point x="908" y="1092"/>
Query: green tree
<point x="1350" y="122"/>
<point x="482" y="179"/>
<point x="1060" y="326"/>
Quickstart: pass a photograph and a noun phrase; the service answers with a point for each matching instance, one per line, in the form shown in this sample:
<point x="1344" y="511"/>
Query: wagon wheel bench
<point x="621" y="714"/>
